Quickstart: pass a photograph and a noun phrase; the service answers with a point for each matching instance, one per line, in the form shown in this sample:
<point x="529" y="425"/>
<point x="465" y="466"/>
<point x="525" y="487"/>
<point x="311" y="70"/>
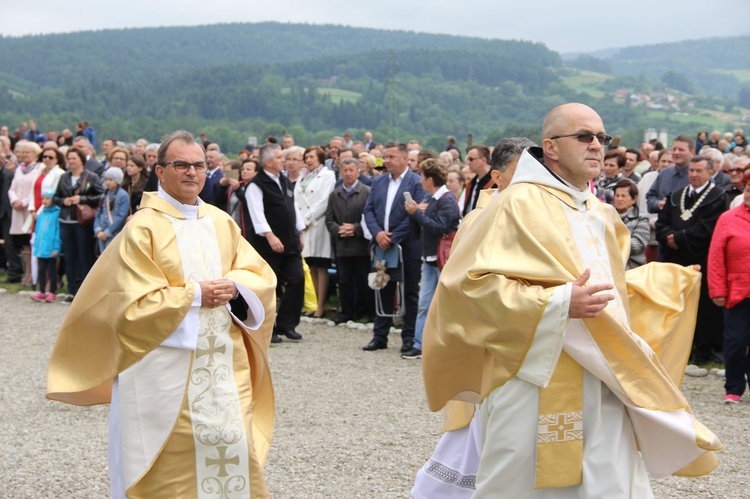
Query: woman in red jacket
<point x="729" y="287"/>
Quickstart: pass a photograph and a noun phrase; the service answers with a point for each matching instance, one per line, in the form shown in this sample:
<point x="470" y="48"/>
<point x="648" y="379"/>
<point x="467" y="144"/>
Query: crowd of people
<point x="350" y="203"/>
<point x="533" y="314"/>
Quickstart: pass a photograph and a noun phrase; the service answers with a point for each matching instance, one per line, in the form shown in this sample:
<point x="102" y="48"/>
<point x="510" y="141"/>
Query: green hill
<point x="236" y="80"/>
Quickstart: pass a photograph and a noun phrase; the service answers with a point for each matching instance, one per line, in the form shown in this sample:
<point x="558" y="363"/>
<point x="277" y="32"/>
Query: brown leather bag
<point x="85" y="214"/>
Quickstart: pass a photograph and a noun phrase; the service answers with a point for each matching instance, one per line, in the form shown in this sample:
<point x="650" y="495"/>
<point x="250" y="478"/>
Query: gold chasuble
<point x="496" y="292"/>
<point x="193" y="422"/>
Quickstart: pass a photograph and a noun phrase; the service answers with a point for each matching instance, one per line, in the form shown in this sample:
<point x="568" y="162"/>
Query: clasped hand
<point x="217" y="292"/>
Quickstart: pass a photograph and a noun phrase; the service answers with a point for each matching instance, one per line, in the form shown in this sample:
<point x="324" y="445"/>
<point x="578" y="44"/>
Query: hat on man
<point x="113" y="173"/>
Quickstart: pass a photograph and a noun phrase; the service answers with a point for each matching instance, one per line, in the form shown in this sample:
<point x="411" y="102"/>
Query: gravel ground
<point x="349" y="423"/>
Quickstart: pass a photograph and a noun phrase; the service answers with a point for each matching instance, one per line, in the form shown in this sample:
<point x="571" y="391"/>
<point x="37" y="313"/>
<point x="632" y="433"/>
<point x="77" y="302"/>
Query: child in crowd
<point x="46" y="247"/>
<point x="113" y="212"/>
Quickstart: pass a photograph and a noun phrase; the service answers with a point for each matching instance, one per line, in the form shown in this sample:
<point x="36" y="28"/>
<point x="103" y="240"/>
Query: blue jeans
<point x="427" y="287"/>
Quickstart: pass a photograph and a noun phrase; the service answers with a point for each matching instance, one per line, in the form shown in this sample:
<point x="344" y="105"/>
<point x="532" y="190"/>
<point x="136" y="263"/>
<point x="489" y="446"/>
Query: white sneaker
<point x="695" y="371"/>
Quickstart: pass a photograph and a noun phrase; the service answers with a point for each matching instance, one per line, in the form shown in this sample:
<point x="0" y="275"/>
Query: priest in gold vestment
<point x="576" y="370"/>
<point x="172" y="326"/>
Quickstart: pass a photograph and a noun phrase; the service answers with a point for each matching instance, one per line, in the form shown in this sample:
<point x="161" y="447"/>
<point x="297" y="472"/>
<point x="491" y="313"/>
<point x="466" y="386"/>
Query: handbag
<point x="85" y="214"/>
<point x="444" y="245"/>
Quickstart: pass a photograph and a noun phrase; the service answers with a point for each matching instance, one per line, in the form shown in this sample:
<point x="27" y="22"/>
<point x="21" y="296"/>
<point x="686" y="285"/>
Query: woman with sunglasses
<point x="53" y="167"/>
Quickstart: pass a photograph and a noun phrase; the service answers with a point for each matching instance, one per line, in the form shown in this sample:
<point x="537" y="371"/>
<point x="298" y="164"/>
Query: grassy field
<point x="741" y="74"/>
<point x="586" y="81"/>
<point x="338" y="95"/>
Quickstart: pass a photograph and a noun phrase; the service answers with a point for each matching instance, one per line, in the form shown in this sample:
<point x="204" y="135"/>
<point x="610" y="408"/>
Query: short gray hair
<point x="152" y="147"/>
<point x="266" y="152"/>
<point x="166" y="141"/>
<point x="349" y="161"/>
<point x="709" y="161"/>
<point x="507" y="150"/>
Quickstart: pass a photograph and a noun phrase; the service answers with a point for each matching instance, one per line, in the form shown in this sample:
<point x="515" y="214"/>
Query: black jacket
<point x="342" y="209"/>
<point x="440" y="218"/>
<point x="92" y="191"/>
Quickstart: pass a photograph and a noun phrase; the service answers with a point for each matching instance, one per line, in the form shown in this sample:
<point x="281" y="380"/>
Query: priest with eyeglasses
<point x="172" y="327"/>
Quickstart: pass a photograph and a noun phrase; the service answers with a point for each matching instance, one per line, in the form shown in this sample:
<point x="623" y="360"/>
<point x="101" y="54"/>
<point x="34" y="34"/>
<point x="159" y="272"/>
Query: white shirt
<point x="393" y="185"/>
<point x="698" y="190"/>
<point x="254" y="198"/>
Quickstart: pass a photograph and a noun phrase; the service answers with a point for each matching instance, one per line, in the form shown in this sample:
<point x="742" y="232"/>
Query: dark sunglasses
<point x="587" y="137"/>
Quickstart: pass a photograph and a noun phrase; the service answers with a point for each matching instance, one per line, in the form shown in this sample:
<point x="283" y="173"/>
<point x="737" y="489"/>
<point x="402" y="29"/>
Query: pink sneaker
<point x="50" y="297"/>
<point x="38" y="296"/>
<point x="731" y="399"/>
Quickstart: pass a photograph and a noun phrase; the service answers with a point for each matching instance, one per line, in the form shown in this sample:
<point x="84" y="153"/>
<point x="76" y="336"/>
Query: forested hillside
<point x="236" y="80"/>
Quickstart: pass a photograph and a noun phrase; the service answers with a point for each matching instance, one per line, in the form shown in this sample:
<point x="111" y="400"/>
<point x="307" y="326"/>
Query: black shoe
<point x="68" y="299"/>
<point x="412" y="354"/>
<point x="341" y="319"/>
<point x="276" y="339"/>
<point x="408" y="345"/>
<point x="374" y="345"/>
<point x="291" y="335"/>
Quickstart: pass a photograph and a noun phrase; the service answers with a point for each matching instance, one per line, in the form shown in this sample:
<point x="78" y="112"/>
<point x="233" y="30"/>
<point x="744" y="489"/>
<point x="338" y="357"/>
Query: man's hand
<point x="584" y="303"/>
<point x="720" y="302"/>
<point x="101" y="236"/>
<point x="217" y="292"/>
<point x="274" y="242"/>
<point x="383" y="239"/>
<point x="346" y="230"/>
<point x="670" y="242"/>
<point x="662" y="203"/>
<point x="301" y="242"/>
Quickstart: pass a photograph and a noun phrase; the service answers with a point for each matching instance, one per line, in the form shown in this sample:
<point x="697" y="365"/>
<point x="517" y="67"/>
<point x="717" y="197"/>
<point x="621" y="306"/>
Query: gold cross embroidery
<point x="592" y="240"/>
<point x="222" y="461"/>
<point x="560" y="427"/>
<point x="211" y="350"/>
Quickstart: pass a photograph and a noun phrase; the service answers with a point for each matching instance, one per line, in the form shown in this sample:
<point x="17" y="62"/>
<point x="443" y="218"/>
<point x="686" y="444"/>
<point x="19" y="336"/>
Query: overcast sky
<point x="563" y="25"/>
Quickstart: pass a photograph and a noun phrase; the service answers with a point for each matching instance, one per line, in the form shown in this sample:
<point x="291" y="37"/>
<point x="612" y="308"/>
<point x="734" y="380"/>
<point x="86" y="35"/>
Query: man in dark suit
<point x="684" y="228"/>
<point x="277" y="238"/>
<point x="213" y="176"/>
<point x="478" y="161"/>
<point x="389" y="224"/>
<point x="12" y="255"/>
<point x="92" y="164"/>
<point x="344" y="222"/>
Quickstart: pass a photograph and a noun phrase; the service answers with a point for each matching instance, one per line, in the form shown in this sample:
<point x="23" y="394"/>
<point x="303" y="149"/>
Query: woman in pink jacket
<point x="729" y="287"/>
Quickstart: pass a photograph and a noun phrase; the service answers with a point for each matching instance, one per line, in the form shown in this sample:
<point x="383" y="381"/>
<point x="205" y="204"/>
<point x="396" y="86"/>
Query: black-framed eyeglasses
<point x="587" y="137"/>
<point x="184" y="166"/>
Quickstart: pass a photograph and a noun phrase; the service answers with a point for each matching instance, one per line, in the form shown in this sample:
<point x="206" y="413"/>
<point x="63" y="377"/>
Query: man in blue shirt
<point x="673" y="178"/>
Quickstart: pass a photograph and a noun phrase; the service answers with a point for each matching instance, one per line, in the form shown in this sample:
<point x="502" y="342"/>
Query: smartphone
<point x="407" y="196"/>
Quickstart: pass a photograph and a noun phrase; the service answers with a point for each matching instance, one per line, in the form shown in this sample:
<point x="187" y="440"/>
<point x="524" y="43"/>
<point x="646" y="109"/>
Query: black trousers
<point x="12" y="254"/>
<point x="709" y="325"/>
<point x="290" y="290"/>
<point x="355" y="296"/>
<point x="736" y="342"/>
<point x="381" y="325"/>
<point x="78" y="247"/>
<point x="47" y="271"/>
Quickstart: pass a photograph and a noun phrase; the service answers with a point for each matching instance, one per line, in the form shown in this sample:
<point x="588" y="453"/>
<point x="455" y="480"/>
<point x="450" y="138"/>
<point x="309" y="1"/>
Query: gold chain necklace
<point x="686" y="214"/>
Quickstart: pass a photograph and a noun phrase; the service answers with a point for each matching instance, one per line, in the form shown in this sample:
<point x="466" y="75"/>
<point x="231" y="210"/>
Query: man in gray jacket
<point x="343" y="220"/>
